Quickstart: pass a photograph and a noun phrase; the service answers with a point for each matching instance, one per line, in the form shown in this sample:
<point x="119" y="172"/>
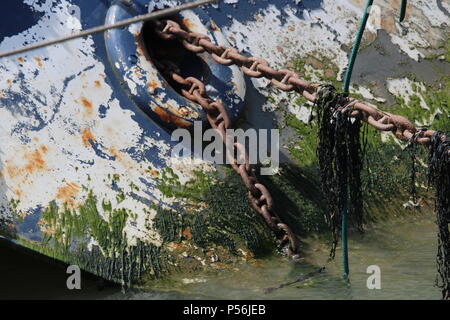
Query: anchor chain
<point x="260" y="198"/>
<point x="287" y="80"/>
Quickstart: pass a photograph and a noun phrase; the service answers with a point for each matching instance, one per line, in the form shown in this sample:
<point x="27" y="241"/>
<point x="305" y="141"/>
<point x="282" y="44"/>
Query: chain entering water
<point x="260" y="198"/>
<point x="286" y="80"/>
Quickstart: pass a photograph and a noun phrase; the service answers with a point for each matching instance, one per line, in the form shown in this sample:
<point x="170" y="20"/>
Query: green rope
<point x="403" y="10"/>
<point x="346" y="89"/>
<point x="356" y="46"/>
<point x="348" y="76"/>
<point x="345" y="263"/>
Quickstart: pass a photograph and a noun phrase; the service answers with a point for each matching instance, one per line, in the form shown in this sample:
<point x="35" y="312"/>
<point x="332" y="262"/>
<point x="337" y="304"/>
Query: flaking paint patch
<point x="326" y="31"/>
<point x="53" y="135"/>
<point x="68" y="193"/>
<point x="321" y="31"/>
<point x="404" y="88"/>
<point x="87" y="137"/>
<point x="143" y="74"/>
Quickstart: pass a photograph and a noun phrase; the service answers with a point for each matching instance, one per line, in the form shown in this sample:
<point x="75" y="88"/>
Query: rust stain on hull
<point x="35" y="161"/>
<point x="87" y="137"/>
<point x="68" y="193"/>
<point x="39" y="62"/>
<point x="115" y="153"/>
<point x="170" y="118"/>
<point x="25" y="163"/>
<point x="187" y="233"/>
<point x="88" y="108"/>
<point x="152" y="85"/>
<point x="188" y="24"/>
<point x="214" y="26"/>
<point x="154" y="173"/>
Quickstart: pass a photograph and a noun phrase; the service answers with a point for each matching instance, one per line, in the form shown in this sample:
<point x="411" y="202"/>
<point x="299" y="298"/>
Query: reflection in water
<point x="405" y="250"/>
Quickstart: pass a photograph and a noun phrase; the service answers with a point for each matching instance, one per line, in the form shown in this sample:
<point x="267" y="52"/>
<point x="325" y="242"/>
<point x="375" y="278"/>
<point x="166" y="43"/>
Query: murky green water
<point x="404" y="250"/>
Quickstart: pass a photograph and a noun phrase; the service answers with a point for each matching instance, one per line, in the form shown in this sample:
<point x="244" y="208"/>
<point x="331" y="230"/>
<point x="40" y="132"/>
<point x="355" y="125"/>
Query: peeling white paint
<point x="404" y="88"/>
<point x="319" y="33"/>
<point x="435" y="16"/>
<point x="322" y="32"/>
<point x="302" y="113"/>
<point x="58" y="160"/>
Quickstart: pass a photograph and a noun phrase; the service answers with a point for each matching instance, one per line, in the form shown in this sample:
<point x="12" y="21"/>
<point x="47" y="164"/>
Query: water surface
<point x="404" y="249"/>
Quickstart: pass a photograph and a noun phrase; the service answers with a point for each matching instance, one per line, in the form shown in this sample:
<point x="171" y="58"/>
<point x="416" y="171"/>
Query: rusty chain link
<point x="259" y="196"/>
<point x="287" y="80"/>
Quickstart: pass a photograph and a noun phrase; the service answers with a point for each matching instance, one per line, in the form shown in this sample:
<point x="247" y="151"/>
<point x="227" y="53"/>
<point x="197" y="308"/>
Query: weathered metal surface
<point x="133" y="65"/>
<point x="78" y="141"/>
<point x="72" y="136"/>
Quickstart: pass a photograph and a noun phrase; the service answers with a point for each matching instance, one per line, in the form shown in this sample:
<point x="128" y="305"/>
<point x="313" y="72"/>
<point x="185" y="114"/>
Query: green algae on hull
<point x="386" y="162"/>
<point x="66" y="233"/>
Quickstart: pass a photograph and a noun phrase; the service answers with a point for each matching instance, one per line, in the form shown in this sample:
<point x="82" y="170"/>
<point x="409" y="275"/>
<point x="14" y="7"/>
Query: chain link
<point x="287" y="80"/>
<point x="259" y="196"/>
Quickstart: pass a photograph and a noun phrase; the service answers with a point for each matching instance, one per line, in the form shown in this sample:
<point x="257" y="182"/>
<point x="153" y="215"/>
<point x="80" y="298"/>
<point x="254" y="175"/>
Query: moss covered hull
<point x="87" y="177"/>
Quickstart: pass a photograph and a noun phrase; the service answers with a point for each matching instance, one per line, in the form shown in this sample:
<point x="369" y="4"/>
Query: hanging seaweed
<point x="439" y="177"/>
<point x="340" y="160"/>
